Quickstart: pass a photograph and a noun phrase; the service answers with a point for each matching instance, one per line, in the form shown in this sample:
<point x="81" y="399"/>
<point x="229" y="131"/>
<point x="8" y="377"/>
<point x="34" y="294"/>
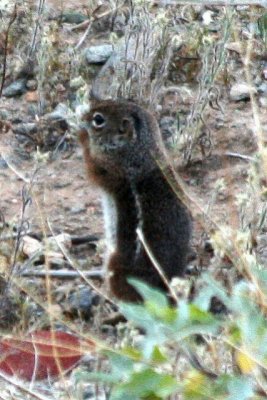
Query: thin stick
<point x="14" y="169"/>
<point x="82" y="25"/>
<point x="63" y="274"/>
<point x="78" y="45"/>
<point x="75" y="265"/>
<point x="12" y="20"/>
<point x="75" y="240"/>
<point x="241" y="156"/>
<point x="156" y="264"/>
<point x="37" y="27"/>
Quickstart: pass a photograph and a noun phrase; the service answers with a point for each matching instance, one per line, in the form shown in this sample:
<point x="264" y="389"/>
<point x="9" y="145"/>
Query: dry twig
<point x="12" y="20"/>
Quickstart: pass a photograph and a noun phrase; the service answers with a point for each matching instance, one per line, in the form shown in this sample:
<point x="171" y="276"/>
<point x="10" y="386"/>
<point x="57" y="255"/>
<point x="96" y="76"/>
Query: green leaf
<point x="240" y="388"/>
<point x="132" y="353"/>
<point x="121" y="365"/>
<point x="157" y="356"/>
<point x="211" y="288"/>
<point x="198" y="315"/>
<point x="146" y="384"/>
<point x="149" y="294"/>
<point x="138" y="314"/>
<point x="250" y="320"/>
<point x="192" y="320"/>
<point x="195" y="386"/>
<point x="96" y="377"/>
<point x="235" y="334"/>
<point x="165" y="314"/>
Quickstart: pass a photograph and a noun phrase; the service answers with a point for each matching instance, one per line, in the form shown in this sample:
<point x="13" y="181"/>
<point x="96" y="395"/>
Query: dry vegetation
<point x="203" y="71"/>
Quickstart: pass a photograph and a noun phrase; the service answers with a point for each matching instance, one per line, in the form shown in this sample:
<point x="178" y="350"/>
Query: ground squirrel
<point x="120" y="141"/>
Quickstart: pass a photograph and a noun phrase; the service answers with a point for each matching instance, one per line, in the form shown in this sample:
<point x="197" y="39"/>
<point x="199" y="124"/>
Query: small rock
<point x="25" y="129"/>
<point x="263" y="88"/>
<point x="234" y="46"/>
<point x="77" y="82"/>
<point x="167" y="127"/>
<point x="207" y="17"/>
<point x="30" y="245"/>
<point x="241" y="91"/>
<point x="98" y="54"/>
<point x="60" y="88"/>
<point x="3" y="163"/>
<point x="16" y="88"/>
<point x="263" y="101"/>
<point x="4" y="114"/>
<point x="73" y="17"/>
<point x="4" y="126"/>
<point x="81" y="302"/>
<point x="31" y="84"/>
<point x="31" y="97"/>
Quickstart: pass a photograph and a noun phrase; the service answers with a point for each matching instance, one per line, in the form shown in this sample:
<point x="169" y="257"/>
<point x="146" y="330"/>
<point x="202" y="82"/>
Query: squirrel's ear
<point x="127" y="128"/>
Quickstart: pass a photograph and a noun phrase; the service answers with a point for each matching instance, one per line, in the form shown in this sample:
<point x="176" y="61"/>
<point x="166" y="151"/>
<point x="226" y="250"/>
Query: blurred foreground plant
<point x="188" y="351"/>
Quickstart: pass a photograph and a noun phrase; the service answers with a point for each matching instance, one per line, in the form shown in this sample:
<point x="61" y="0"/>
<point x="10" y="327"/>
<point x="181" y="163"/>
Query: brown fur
<point x="120" y="156"/>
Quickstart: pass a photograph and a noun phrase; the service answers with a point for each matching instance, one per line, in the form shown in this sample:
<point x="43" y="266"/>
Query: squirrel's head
<point x="122" y="135"/>
<point x="117" y="126"/>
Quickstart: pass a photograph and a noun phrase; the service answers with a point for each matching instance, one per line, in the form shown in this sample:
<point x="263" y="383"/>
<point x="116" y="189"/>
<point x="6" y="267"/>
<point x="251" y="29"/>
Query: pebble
<point x="263" y="101"/>
<point x="98" y="54"/>
<point x="25" y="128"/>
<point x="73" y="17"/>
<point x="4" y="114"/>
<point x="263" y="88"/>
<point x="3" y="163"/>
<point x="167" y="127"/>
<point x="241" y="91"/>
<point x="81" y="302"/>
<point x="77" y="82"/>
<point x="16" y="88"/>
<point x="31" y="84"/>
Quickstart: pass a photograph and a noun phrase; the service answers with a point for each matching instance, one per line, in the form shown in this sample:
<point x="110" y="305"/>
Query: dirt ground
<point x="61" y="194"/>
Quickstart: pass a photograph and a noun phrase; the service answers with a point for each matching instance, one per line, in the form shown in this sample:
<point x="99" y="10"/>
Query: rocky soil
<point x="43" y="186"/>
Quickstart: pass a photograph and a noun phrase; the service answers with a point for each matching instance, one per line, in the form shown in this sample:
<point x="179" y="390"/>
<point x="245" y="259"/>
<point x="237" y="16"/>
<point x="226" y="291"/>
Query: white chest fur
<point x="110" y="222"/>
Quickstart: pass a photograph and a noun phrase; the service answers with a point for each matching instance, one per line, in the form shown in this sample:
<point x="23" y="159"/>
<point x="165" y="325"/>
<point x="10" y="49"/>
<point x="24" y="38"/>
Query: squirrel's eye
<point x="98" y="120"/>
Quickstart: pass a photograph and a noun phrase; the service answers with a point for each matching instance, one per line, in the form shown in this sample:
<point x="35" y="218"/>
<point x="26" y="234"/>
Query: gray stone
<point x="263" y="101"/>
<point x="263" y="88"/>
<point x="77" y="82"/>
<point x="16" y="88"/>
<point x="3" y="163"/>
<point x="167" y="126"/>
<point x="4" y="114"/>
<point x="81" y="302"/>
<point x="31" y="84"/>
<point x="241" y="91"/>
<point x="73" y="17"/>
<point x="98" y="54"/>
<point x="25" y="128"/>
